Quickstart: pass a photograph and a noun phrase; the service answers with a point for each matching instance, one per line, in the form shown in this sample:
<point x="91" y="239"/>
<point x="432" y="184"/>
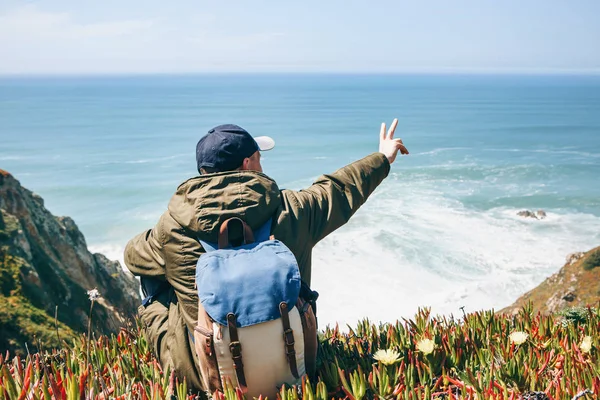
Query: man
<point x="231" y="183"/>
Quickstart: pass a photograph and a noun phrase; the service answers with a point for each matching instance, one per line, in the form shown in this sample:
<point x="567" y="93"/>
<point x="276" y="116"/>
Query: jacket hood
<point x="201" y="204"/>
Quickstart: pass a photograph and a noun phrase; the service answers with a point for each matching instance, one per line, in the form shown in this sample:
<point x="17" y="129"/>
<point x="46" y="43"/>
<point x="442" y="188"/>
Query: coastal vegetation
<point x="592" y="261"/>
<point x="482" y="355"/>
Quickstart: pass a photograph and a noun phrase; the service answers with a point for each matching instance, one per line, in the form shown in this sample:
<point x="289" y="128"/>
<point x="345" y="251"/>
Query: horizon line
<point x="424" y="72"/>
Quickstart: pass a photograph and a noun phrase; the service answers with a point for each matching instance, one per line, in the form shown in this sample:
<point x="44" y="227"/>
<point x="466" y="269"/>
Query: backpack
<point x="256" y="318"/>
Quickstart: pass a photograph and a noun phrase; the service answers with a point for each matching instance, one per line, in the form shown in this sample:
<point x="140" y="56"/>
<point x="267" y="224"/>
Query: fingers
<point x="392" y="129"/>
<point x="403" y="149"/>
<point x="400" y="146"/>
<point x="390" y="133"/>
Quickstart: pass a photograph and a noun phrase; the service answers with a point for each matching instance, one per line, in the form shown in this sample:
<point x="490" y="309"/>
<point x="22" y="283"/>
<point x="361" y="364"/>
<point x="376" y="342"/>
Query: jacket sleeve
<point x="144" y="253"/>
<point x="333" y="199"/>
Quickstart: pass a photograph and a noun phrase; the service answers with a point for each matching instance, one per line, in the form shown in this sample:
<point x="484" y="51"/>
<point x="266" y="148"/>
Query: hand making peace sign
<point x="388" y="145"/>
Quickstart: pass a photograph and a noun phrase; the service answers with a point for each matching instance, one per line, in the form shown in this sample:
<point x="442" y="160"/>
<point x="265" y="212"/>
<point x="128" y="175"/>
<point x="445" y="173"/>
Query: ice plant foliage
<point x="387" y="357"/>
<point x="471" y="358"/>
<point x="518" y="337"/>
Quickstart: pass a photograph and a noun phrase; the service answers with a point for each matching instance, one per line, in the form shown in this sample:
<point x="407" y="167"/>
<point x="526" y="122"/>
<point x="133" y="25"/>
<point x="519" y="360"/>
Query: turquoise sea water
<point x="441" y="231"/>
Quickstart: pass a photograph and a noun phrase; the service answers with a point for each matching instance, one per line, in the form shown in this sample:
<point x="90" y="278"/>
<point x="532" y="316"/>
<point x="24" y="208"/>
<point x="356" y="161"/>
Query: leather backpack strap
<point x="288" y="338"/>
<point x="309" y="335"/>
<point x="236" y="351"/>
<point x="205" y="351"/>
<point x="224" y="233"/>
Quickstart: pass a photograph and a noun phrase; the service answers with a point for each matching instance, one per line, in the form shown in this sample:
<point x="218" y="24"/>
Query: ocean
<point x="440" y="232"/>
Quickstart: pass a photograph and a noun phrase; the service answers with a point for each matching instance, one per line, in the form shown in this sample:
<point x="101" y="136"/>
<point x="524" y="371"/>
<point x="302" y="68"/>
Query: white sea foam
<point x="144" y="160"/>
<point x="510" y="150"/>
<point x="439" y="150"/>
<point x="151" y="160"/>
<point x="546" y="151"/>
<point x="411" y="247"/>
<point x="11" y="158"/>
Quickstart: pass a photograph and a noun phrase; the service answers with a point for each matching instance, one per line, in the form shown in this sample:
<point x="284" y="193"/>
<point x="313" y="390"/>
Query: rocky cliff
<point x="45" y="264"/>
<point x="576" y="284"/>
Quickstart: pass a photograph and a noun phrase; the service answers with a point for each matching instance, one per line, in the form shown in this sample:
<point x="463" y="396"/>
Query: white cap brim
<point x="264" y="143"/>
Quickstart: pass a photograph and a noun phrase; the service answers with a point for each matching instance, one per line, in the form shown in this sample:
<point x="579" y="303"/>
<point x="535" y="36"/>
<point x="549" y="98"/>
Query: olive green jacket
<point x="171" y="250"/>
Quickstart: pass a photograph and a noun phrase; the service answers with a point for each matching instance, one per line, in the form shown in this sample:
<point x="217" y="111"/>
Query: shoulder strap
<point x="236" y="351"/>
<point x="260" y="235"/>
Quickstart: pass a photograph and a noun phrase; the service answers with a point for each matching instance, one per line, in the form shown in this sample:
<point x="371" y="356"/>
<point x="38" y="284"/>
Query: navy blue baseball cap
<point x="226" y="146"/>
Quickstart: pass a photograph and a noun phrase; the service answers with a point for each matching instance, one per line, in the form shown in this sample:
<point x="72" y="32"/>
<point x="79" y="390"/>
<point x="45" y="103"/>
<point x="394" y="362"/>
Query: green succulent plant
<point x="483" y="355"/>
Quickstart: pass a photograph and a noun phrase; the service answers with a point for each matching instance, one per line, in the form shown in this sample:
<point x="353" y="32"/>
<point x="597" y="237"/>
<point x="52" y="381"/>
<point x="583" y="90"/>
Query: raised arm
<point x="333" y="199"/>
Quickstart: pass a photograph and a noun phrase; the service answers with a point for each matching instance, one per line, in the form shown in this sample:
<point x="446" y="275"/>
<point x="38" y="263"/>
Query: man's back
<point x="171" y="250"/>
<point x="166" y="255"/>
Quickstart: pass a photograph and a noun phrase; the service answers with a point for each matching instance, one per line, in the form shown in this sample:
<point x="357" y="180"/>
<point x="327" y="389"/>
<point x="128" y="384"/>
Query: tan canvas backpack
<point x="256" y="318"/>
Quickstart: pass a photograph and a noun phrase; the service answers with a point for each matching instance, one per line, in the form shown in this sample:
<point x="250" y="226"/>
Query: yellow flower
<point x="586" y="344"/>
<point x="518" y="337"/>
<point x="387" y="357"/>
<point x="426" y="346"/>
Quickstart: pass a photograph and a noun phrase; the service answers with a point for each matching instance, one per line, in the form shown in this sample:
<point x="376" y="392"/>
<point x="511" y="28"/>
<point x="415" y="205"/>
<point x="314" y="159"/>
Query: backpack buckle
<point x="288" y="337"/>
<point x="235" y="348"/>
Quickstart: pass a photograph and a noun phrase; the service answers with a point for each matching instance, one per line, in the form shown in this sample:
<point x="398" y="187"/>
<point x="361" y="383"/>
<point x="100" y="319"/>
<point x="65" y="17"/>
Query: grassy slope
<point x="575" y="285"/>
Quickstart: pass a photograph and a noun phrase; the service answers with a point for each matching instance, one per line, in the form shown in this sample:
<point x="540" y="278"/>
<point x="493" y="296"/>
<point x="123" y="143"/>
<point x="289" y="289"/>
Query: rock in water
<point x="527" y="214"/>
<point x="539" y="214"/>
<point x="44" y="263"/>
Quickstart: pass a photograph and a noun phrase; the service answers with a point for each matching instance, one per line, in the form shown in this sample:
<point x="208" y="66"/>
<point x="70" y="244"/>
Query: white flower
<point x="426" y="346"/>
<point x="586" y="344"/>
<point x="93" y="294"/>
<point x="518" y="337"/>
<point x="387" y="357"/>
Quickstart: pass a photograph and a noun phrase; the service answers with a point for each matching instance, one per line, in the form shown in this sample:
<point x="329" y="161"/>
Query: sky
<point x="387" y="36"/>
